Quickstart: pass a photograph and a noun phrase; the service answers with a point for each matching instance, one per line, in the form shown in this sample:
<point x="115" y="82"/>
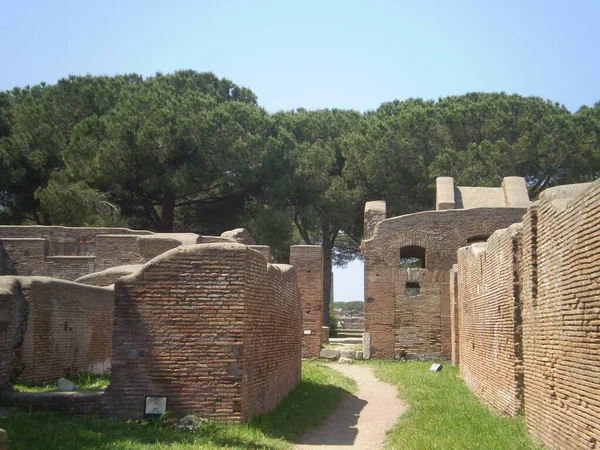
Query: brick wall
<point x="489" y="320"/>
<point x="69" y="267"/>
<point x="56" y="327"/>
<point x="69" y="329"/>
<point x="65" y="241"/>
<point x="22" y="256"/>
<point x="14" y="310"/>
<point x="454" y="328"/>
<point x="308" y="261"/>
<point x="416" y="325"/>
<point x="551" y="280"/>
<point x="61" y="252"/>
<point x="117" y="250"/>
<point x="197" y="325"/>
<point x="561" y="318"/>
<point x="70" y="253"/>
<point x="268" y="374"/>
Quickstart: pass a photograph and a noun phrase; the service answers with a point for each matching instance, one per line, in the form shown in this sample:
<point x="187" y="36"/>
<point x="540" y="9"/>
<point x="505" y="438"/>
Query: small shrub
<point x="333" y="328"/>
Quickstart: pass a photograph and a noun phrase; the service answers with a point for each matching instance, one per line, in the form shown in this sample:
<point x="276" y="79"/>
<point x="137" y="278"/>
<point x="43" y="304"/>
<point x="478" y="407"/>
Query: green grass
<point x="314" y="398"/>
<point x="83" y="381"/>
<point x="444" y="414"/>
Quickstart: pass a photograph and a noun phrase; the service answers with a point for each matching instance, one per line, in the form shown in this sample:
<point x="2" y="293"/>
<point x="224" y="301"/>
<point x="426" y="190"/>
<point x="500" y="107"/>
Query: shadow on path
<point x="343" y="420"/>
<point x="361" y="420"/>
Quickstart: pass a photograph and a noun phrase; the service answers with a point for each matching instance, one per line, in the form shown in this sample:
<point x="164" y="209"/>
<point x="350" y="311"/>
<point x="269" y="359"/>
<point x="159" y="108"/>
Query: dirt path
<point x="361" y="419"/>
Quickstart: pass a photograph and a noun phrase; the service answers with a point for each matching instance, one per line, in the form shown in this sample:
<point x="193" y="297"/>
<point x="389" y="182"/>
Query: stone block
<point x="65" y="385"/>
<point x="359" y="354"/>
<point x="348" y="353"/>
<point x="366" y="345"/>
<point x="343" y="360"/>
<point x="329" y="353"/>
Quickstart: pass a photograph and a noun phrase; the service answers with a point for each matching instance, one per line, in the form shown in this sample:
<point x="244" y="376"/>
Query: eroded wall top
<point x="513" y="193"/>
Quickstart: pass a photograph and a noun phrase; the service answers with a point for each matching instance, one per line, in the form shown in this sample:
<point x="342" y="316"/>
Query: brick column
<point x="308" y="261"/>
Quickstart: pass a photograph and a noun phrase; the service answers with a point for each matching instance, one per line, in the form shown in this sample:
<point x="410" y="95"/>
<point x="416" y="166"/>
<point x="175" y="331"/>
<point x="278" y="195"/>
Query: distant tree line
<point x="349" y="306"/>
<point x="189" y="151"/>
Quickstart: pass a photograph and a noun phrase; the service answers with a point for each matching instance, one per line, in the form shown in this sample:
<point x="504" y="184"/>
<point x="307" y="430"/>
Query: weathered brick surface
<point x="64" y="241"/>
<point x="57" y="327"/>
<point x="22" y="256"/>
<point x="489" y="319"/>
<point x="454" y="327"/>
<point x="308" y="261"/>
<point x="419" y="325"/>
<point x="60" y="252"/>
<point x="14" y="310"/>
<point x="69" y="267"/>
<point x="561" y="318"/>
<point x="553" y="283"/>
<point x="117" y="250"/>
<point x="70" y="253"/>
<point x="272" y="363"/>
<point x="211" y="327"/>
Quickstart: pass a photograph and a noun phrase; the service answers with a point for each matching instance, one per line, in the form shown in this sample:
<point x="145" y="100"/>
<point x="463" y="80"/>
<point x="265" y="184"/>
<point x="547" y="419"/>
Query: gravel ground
<point x="361" y="419"/>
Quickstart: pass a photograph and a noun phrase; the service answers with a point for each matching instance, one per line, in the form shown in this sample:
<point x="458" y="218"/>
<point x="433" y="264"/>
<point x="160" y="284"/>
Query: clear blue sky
<point x="317" y="54"/>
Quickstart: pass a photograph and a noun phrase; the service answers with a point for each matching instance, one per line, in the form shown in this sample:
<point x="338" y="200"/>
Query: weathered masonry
<point x="213" y="327"/>
<point x="308" y="261"/>
<point x="54" y="327"/>
<point x="408" y="261"/>
<point x="205" y="321"/>
<point x="528" y="317"/>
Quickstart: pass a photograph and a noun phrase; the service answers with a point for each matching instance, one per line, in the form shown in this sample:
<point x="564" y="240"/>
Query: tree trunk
<point x="327" y="282"/>
<point x="327" y="266"/>
<point x="168" y="208"/>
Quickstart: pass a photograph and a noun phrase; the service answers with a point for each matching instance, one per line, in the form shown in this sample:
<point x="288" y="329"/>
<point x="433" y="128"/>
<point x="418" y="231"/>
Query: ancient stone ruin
<point x="408" y="259"/>
<point x="207" y="322"/>
<point x="506" y="288"/>
<point x="510" y="290"/>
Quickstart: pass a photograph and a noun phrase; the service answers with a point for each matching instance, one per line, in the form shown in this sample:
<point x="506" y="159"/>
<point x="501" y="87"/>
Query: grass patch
<point x="308" y="405"/>
<point x="444" y="414"/>
<point x="314" y="398"/>
<point x="83" y="381"/>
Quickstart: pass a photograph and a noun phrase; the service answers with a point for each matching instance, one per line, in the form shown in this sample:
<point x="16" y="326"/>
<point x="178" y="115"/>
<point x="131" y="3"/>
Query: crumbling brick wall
<point x="57" y="327"/>
<point x="308" y="261"/>
<point x="206" y="326"/>
<point x="554" y="287"/>
<point x="561" y="317"/>
<point x="22" y="256"/>
<point x="489" y="319"/>
<point x="402" y="324"/>
<point x="69" y="267"/>
<point x="70" y="253"/>
<point x="59" y="252"/>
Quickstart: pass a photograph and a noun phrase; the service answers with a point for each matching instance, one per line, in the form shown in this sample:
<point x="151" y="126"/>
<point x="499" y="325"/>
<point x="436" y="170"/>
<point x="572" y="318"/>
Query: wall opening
<point x="412" y="257"/>
<point x="413" y="289"/>
<point x="478" y="238"/>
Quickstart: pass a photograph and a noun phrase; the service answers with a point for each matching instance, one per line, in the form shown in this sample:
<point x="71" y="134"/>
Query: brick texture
<point x="59" y="252"/>
<point x="489" y="320"/>
<point x="69" y="267"/>
<point x="561" y="320"/>
<point x="22" y="256"/>
<point x="210" y="326"/>
<point x="62" y="328"/>
<point x="405" y="325"/>
<point x="308" y="261"/>
<point x="548" y="275"/>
